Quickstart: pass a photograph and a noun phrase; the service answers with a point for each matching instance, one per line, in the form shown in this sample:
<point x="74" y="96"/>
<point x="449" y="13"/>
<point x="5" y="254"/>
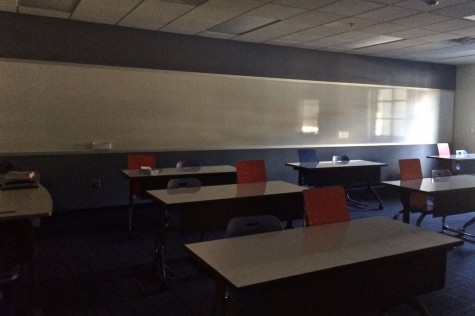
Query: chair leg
<point x="396" y="216"/>
<point x="419" y="220"/>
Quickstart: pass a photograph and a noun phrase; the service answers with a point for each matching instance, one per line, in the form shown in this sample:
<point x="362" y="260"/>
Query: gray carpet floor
<point x="86" y="265"/>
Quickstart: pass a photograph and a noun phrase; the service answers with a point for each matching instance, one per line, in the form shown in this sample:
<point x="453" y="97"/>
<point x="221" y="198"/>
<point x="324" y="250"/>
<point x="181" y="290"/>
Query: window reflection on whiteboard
<point x="391" y="111"/>
<point x="310" y="111"/>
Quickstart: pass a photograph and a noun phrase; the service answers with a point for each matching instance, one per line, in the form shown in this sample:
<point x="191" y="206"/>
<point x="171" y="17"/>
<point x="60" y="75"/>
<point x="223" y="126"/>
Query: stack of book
<point x="18" y="180"/>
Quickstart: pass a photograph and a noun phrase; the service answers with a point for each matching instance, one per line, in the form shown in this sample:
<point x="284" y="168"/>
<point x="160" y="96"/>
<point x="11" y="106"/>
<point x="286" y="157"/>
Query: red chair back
<point x="249" y="171"/>
<point x="325" y="205"/>
<point x="137" y="161"/>
<point x="410" y="169"/>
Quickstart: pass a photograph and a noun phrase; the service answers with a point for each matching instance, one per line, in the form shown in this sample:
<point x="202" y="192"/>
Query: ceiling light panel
<point x="370" y="41"/>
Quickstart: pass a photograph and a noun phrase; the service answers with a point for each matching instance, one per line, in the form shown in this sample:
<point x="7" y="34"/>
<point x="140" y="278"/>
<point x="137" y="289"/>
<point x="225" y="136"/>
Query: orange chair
<point x="249" y="171"/>
<point x="135" y="161"/>
<point x="410" y="169"/>
<point x="325" y="205"/>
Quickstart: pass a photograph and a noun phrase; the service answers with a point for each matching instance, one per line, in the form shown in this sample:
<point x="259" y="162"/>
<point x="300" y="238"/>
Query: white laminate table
<point x="330" y="269"/>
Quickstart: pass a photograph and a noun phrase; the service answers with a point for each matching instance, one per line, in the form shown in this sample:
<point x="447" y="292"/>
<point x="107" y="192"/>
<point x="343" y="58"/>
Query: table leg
<point x="220" y="298"/>
<point x="160" y="250"/>
<point x="130" y="223"/>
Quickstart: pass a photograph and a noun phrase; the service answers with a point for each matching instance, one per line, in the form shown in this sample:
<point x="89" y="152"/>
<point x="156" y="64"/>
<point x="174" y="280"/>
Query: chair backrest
<point x="325" y="205"/>
<point x="340" y="159"/>
<point x="187" y="164"/>
<point x="307" y="155"/>
<point x="136" y="161"/>
<point x="249" y="225"/>
<point x="443" y="149"/>
<point x="410" y="169"/>
<point x="177" y="183"/>
<point x="249" y="171"/>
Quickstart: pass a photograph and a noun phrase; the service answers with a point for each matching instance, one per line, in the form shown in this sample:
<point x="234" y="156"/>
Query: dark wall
<point x="51" y="39"/>
<point x="68" y="176"/>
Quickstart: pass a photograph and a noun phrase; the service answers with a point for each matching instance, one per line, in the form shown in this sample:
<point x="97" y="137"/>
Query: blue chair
<point x="307" y="155"/>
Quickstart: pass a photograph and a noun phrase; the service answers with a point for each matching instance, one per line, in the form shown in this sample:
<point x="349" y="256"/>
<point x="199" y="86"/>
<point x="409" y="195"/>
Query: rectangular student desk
<point x="208" y="175"/>
<point x="335" y="269"/>
<point x="326" y="173"/>
<point x="211" y="207"/>
<point x="451" y="195"/>
<point x="453" y="162"/>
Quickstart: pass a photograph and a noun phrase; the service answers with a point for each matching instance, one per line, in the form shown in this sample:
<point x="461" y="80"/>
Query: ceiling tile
<point x="103" y="11"/>
<point x="8" y="5"/>
<point x="412" y="33"/>
<point x="314" y="18"/>
<point x="450" y="25"/>
<point x="465" y="32"/>
<point x="387" y="14"/>
<point x="209" y="14"/>
<point x="277" y="12"/>
<point x="421" y="19"/>
<point x="423" y="6"/>
<point x="44" y="12"/>
<point x="457" y="11"/>
<point x="351" y="23"/>
<point x="309" y="35"/>
<point x="384" y="28"/>
<point x="152" y="14"/>
<point x="305" y="4"/>
<point x="350" y="7"/>
<point x="439" y="37"/>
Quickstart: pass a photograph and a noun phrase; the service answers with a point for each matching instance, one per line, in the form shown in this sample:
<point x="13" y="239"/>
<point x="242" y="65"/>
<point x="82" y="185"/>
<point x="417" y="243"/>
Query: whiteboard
<point x="60" y="107"/>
